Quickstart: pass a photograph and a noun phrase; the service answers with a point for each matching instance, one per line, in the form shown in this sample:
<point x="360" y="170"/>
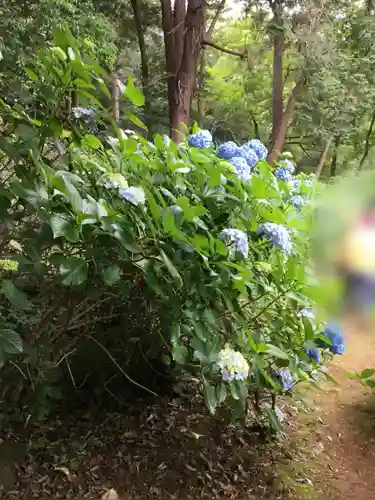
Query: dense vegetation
<point x="182" y="245"/>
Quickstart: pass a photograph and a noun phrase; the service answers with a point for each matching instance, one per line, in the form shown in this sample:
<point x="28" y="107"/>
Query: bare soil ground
<point x="174" y="450"/>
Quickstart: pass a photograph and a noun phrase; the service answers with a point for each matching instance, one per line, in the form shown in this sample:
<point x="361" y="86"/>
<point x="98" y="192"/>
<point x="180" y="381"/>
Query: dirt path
<point x="345" y="431"/>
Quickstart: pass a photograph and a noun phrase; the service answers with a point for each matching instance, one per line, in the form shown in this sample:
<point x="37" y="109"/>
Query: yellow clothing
<point x="357" y="252"/>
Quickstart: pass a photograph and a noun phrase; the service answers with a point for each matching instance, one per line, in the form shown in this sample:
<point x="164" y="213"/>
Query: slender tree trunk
<point x="144" y="61"/>
<point x="115" y="98"/>
<point x="333" y="168"/>
<point x="367" y="143"/>
<point x="322" y="159"/>
<point x="183" y="39"/>
<point x="287" y="118"/>
<point x="277" y="71"/>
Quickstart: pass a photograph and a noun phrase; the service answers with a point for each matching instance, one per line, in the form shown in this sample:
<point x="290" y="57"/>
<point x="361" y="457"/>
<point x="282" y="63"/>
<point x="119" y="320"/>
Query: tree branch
<point x="367" y="143"/>
<point x="242" y="55"/>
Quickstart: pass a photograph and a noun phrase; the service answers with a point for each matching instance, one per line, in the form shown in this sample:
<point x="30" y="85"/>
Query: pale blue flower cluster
<point x="232" y="364"/>
<point x="313" y="353"/>
<point x="277" y="235"/>
<point x="258" y="147"/>
<point x="227" y="150"/>
<point x="87" y="115"/>
<point x="288" y="165"/>
<point x="236" y="241"/>
<point x="252" y="152"/>
<point x="285" y="378"/>
<point x="335" y="335"/>
<point x="249" y="155"/>
<point x="201" y="139"/>
<point x="297" y="201"/>
<point x="242" y="167"/>
<point x="283" y="174"/>
<point x="307" y="312"/>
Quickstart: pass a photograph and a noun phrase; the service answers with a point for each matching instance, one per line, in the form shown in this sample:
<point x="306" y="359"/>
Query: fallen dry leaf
<point x="110" y="495"/>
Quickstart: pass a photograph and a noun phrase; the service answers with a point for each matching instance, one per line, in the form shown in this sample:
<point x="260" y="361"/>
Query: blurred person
<point x="356" y="266"/>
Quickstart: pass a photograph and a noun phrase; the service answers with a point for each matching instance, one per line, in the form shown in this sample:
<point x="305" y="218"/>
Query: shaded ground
<point x="175" y="450"/>
<point x="165" y="450"/>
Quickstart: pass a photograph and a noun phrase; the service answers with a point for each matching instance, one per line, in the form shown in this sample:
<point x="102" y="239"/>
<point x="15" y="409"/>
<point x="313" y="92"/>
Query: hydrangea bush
<point x="213" y="232"/>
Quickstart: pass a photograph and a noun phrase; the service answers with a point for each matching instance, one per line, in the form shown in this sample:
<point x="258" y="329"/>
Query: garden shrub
<point x="215" y="240"/>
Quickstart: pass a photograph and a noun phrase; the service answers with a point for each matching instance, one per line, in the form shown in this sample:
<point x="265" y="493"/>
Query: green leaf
<point x="74" y="271"/>
<point x="92" y="141"/>
<point x="180" y="353"/>
<point x="17" y="298"/>
<point x="10" y="341"/>
<point x="137" y="122"/>
<point x="172" y="270"/>
<point x="134" y="94"/>
<point x="111" y="274"/>
<point x="273" y="419"/>
<point x="209" y="396"/>
<point x="367" y="373"/>
<point x="276" y="352"/>
<point x="63" y="228"/>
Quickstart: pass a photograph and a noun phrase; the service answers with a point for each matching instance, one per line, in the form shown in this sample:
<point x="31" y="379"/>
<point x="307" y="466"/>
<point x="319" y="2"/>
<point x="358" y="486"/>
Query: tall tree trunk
<point x="144" y="61"/>
<point x="183" y="30"/>
<point x="277" y="70"/>
<point x="322" y="159"/>
<point x="333" y="168"/>
<point x="115" y="98"/>
<point x="367" y="143"/>
<point x="202" y="63"/>
<point x="287" y="118"/>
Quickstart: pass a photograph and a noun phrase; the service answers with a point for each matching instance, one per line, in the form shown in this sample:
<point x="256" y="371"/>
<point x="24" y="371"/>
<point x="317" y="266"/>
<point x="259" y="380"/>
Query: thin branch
<point x="367" y="143"/>
<point x="119" y="367"/>
<point x="215" y="19"/>
<point x="323" y="158"/>
<point x="242" y="55"/>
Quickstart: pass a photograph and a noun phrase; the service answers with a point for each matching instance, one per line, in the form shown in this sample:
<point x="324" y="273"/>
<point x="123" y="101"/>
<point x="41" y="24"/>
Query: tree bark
<point x="145" y="79"/>
<point x="367" y="143"/>
<point x="322" y="159"/>
<point x="182" y="39"/>
<point x="333" y="168"/>
<point x="285" y="121"/>
<point x="277" y="70"/>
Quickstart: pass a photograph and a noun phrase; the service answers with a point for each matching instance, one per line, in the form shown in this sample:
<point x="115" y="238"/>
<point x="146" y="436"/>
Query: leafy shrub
<point x="218" y="247"/>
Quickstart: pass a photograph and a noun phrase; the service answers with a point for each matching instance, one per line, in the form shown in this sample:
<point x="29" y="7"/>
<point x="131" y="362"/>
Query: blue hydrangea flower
<point x="334" y="333"/>
<point x="288" y="165"/>
<point x="258" y="147"/>
<point x="227" y="150"/>
<point x="84" y="113"/>
<point x="249" y="154"/>
<point x="313" y="353"/>
<point x="87" y="115"/>
<point x="134" y="195"/>
<point x="307" y="312"/>
<point x="243" y="169"/>
<point x="201" y="139"/>
<point x="286" y="378"/>
<point x="297" y="201"/>
<point x="277" y="235"/>
<point x="294" y="186"/>
<point x="309" y="183"/>
<point x="236" y="240"/>
<point x="283" y="174"/>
